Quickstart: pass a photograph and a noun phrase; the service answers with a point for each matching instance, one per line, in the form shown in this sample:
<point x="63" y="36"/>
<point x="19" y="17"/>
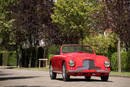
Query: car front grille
<point x="88" y="65"/>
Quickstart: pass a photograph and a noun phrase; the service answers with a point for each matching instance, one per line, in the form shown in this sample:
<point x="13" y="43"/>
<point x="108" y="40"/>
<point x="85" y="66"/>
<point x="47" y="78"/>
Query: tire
<point x="104" y="78"/>
<point x="52" y="74"/>
<point x="64" y="74"/>
<point x="88" y="78"/>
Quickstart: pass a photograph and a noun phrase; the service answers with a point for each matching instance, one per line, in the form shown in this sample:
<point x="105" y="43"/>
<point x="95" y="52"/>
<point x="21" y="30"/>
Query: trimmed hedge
<point x="9" y="58"/>
<point x="125" y="61"/>
<point x="12" y="58"/>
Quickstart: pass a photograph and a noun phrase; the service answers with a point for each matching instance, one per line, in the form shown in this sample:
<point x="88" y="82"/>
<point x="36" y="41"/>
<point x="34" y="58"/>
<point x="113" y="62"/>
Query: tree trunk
<point x="30" y="58"/>
<point x="119" y="57"/>
<point x="19" y="55"/>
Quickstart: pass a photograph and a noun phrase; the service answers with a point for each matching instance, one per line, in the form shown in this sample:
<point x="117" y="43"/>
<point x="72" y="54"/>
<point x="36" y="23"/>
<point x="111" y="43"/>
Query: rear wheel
<point x="52" y="74"/>
<point x="88" y="78"/>
<point x="104" y="78"/>
<point x="64" y="73"/>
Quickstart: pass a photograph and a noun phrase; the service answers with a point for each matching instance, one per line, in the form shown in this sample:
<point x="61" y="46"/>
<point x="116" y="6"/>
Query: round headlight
<point x="71" y="63"/>
<point x="107" y="64"/>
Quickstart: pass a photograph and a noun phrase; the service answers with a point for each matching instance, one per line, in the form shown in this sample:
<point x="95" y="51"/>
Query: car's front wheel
<point x="52" y="74"/>
<point x="104" y="78"/>
<point x="64" y="73"/>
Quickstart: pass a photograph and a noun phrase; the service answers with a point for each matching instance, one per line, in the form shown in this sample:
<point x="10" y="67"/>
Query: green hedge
<point x="12" y="58"/>
<point x="9" y="58"/>
<point x="125" y="61"/>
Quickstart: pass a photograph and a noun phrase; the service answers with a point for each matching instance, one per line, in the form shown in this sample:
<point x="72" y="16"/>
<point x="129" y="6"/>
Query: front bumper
<point x="88" y="72"/>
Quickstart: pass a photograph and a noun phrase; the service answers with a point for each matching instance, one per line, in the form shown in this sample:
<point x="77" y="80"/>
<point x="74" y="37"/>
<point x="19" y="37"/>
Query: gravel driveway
<point x="30" y="78"/>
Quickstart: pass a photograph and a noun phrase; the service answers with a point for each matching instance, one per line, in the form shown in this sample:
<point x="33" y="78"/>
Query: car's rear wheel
<point x="64" y="73"/>
<point x="52" y="74"/>
<point x="88" y="78"/>
<point x="104" y="78"/>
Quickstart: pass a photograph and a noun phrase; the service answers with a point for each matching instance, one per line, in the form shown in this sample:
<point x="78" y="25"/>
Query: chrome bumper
<point x="102" y="71"/>
<point x="98" y="71"/>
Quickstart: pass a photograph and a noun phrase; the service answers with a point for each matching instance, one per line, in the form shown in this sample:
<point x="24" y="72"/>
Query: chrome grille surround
<point x="88" y="65"/>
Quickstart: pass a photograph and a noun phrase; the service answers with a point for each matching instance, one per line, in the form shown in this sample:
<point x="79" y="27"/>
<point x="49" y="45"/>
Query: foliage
<point x="74" y="18"/>
<point x="124" y="64"/>
<point x="9" y="58"/>
<point x="116" y="15"/>
<point x="32" y="18"/>
<point x="101" y="43"/>
<point x="5" y="24"/>
<point x="12" y="58"/>
<point x="52" y="49"/>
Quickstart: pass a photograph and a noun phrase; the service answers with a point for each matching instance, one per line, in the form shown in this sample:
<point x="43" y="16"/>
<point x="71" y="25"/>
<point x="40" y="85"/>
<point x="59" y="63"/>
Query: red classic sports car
<point x="78" y="60"/>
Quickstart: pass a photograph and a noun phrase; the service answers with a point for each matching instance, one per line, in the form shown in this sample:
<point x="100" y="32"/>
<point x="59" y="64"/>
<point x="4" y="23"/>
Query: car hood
<point x="84" y="56"/>
<point x="79" y="57"/>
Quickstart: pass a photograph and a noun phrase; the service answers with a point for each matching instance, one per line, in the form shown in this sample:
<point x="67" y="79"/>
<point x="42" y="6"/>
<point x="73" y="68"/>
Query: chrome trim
<point x="103" y="71"/>
<point x="74" y="71"/>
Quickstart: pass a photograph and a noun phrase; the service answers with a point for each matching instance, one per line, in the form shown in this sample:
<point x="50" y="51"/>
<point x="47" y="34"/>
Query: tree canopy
<point x="75" y="17"/>
<point x="117" y="17"/>
<point x="5" y="24"/>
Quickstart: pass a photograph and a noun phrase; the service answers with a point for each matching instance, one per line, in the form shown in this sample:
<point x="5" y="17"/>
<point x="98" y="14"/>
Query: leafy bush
<point x="12" y="58"/>
<point x="4" y="58"/>
<point x="9" y="58"/>
<point x="124" y="61"/>
<point x="103" y="44"/>
<point x="52" y="49"/>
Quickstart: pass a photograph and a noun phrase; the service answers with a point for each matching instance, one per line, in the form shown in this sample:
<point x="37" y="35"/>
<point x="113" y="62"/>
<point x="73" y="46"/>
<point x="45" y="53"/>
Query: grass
<point x="120" y="73"/>
<point x="37" y="68"/>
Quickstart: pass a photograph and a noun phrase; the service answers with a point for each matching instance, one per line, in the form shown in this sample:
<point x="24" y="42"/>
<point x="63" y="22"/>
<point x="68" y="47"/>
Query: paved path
<point x="30" y="78"/>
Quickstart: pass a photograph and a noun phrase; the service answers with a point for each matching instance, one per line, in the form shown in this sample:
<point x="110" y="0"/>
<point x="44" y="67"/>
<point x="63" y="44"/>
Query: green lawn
<point x="120" y="73"/>
<point x="36" y="68"/>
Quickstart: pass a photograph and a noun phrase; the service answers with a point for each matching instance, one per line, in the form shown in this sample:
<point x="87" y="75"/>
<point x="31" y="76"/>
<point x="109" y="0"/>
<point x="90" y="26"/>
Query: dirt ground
<point x="31" y="78"/>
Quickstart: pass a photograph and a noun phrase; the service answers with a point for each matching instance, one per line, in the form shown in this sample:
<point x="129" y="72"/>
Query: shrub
<point x="12" y="58"/>
<point x="9" y="58"/>
<point x="124" y="61"/>
<point x="4" y="58"/>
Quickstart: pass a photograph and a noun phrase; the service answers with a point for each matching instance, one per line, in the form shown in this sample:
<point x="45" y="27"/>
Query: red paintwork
<point x="78" y="57"/>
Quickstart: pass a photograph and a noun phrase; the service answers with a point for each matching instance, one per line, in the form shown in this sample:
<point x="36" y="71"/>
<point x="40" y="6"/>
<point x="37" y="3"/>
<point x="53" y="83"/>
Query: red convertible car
<point x="78" y="60"/>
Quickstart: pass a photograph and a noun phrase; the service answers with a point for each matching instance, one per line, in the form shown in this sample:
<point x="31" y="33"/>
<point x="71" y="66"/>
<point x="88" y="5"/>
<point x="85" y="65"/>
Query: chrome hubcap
<point x="63" y="72"/>
<point x="51" y="70"/>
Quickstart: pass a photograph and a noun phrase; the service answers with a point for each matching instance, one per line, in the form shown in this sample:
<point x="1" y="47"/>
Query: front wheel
<point x="52" y="74"/>
<point x="64" y="73"/>
<point x="104" y="78"/>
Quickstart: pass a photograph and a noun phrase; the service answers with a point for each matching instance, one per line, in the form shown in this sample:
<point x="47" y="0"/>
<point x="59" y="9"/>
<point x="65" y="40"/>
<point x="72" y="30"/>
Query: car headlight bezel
<point x="107" y="64"/>
<point x="71" y="63"/>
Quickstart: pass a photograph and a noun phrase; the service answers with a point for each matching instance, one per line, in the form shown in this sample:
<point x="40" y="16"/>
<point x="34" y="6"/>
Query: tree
<point x="74" y="18"/>
<point x="102" y="43"/>
<point x="32" y="17"/>
<point x="116" y="13"/>
<point x="5" y="25"/>
<point x="118" y="19"/>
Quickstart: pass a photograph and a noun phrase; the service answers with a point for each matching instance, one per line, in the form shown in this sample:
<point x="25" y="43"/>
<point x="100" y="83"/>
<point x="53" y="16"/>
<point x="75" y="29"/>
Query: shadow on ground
<point x="81" y="80"/>
<point x="25" y="86"/>
<point x="14" y="78"/>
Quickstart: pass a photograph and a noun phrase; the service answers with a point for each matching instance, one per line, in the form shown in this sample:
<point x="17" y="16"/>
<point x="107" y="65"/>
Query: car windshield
<point x="77" y="48"/>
